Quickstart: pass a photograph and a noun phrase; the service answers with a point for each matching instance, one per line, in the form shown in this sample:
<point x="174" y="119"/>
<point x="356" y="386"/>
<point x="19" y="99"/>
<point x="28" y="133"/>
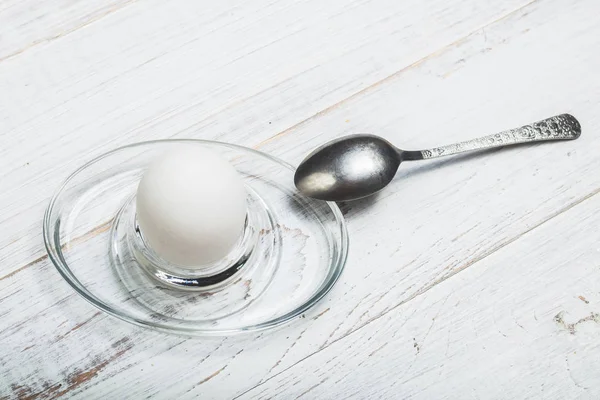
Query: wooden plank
<point x="522" y="323"/>
<point x="28" y="23"/>
<point x="388" y="234"/>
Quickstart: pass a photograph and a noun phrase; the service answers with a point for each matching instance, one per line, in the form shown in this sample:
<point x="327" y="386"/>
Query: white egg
<point x="191" y="206"/>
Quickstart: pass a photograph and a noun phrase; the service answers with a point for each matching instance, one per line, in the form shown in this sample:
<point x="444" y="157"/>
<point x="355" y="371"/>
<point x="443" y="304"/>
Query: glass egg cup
<point x="290" y="254"/>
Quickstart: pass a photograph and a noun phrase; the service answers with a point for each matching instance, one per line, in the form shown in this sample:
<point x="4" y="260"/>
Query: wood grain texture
<point x="514" y="326"/>
<point x="236" y="71"/>
<point x="284" y="77"/>
<point x="29" y="23"/>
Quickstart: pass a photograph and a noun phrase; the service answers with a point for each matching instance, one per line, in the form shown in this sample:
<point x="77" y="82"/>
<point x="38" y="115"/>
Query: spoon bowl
<point x="350" y="167"/>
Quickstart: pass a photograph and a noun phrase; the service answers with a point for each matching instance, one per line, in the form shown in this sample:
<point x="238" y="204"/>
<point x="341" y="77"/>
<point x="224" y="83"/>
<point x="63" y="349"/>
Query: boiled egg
<point x="191" y="206"/>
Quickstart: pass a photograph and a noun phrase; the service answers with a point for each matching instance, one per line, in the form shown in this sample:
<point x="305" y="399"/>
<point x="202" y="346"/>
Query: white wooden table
<point x="472" y="277"/>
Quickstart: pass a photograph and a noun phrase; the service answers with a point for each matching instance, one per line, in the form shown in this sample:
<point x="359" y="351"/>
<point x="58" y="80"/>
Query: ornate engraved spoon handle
<point x="560" y="127"/>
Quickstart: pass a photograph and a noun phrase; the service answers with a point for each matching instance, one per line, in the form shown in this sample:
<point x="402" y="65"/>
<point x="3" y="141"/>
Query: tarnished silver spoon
<point x="357" y="166"/>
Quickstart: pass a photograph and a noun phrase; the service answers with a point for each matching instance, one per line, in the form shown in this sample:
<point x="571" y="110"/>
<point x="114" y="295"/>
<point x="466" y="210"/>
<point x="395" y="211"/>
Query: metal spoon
<point x="356" y="166"/>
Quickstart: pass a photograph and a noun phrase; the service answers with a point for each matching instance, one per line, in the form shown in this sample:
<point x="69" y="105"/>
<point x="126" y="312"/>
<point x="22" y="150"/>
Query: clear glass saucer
<point x="291" y="253"/>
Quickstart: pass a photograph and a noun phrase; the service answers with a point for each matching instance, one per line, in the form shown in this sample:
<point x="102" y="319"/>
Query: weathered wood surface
<point x="468" y="277"/>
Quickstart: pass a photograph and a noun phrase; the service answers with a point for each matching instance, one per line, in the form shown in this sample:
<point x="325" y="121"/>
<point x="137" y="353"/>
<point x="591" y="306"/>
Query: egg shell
<point x="191" y="206"/>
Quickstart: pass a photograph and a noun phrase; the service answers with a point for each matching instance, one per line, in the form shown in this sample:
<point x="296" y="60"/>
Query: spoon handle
<point x="560" y="127"/>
